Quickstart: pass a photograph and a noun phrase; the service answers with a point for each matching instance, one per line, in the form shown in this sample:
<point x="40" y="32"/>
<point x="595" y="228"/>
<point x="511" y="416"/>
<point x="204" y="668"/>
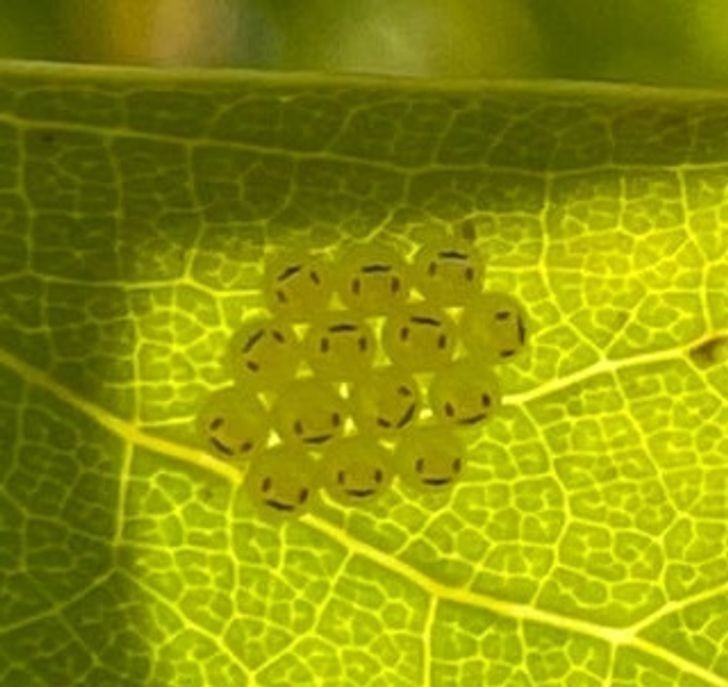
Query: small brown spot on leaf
<point x="710" y="352"/>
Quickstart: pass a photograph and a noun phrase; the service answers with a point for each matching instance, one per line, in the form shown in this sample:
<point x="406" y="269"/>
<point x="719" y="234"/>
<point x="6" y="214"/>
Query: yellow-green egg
<point x="430" y="458"/>
<point x="297" y="284"/>
<point x="282" y="482"/>
<point x="263" y="354"/>
<point x="465" y="394"/>
<point x="339" y="346"/>
<point x="372" y="278"/>
<point x="493" y="327"/>
<point x="356" y="470"/>
<point x="448" y="271"/>
<point x="233" y="425"/>
<point x="309" y="413"/>
<point x="386" y="401"/>
<point x="419" y="337"/>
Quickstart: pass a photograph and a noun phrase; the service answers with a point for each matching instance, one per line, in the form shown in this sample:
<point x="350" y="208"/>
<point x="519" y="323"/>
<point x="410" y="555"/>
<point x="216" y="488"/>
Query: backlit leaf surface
<point x="588" y="542"/>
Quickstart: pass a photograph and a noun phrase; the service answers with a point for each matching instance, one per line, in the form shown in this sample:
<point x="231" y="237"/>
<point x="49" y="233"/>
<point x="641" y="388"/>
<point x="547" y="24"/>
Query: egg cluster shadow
<point x="365" y="367"/>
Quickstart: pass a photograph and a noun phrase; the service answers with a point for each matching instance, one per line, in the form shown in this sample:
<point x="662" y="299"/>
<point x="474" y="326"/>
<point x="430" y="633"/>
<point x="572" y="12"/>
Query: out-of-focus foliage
<point x="671" y="42"/>
<point x="32" y="30"/>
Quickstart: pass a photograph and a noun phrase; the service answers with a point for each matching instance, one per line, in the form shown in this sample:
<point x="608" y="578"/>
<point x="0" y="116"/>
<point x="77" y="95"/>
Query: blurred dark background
<point x="667" y="42"/>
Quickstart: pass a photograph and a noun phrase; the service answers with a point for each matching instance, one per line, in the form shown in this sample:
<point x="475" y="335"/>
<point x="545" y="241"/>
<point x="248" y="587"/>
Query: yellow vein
<point x="122" y="428"/>
<point x="254" y="292"/>
<point x="679" y="662"/>
<point x="606" y="366"/>
<point x="612" y="664"/>
<point x="324" y="154"/>
<point x="124" y="473"/>
<point x="611" y="635"/>
<point x="427" y="631"/>
<point x="459" y="595"/>
<point x="677" y="606"/>
<point x="58" y="607"/>
<point x="188" y="623"/>
<point x="128" y="454"/>
<point x="196" y="141"/>
<point x="462" y="595"/>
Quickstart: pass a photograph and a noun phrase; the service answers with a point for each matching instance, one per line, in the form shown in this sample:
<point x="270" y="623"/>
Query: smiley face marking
<point x="448" y="272"/>
<point x="419" y="338"/>
<point x="309" y="413"/>
<point x="320" y="438"/>
<point x="245" y="447"/>
<point x="472" y="419"/>
<point x="431" y="457"/>
<point x="265" y="488"/>
<point x="493" y="327"/>
<point x="263" y="354"/>
<point x="221" y="447"/>
<point x="292" y="271"/>
<point x="282" y="481"/>
<point x="355" y="470"/>
<point x="372" y="278"/>
<point x="296" y="283"/>
<point x="339" y="350"/>
<point x="359" y="493"/>
<point x="467" y="393"/>
<point x="233" y="425"/>
<point x="386" y="401"/>
<point x="431" y="321"/>
<point x="420" y="468"/>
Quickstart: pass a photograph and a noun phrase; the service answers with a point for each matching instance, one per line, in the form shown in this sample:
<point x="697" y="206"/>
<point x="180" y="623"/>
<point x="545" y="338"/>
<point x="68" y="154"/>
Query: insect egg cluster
<point x="364" y="368"/>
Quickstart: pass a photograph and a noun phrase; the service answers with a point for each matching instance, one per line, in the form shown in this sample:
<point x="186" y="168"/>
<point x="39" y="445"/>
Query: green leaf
<point x="588" y="542"/>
